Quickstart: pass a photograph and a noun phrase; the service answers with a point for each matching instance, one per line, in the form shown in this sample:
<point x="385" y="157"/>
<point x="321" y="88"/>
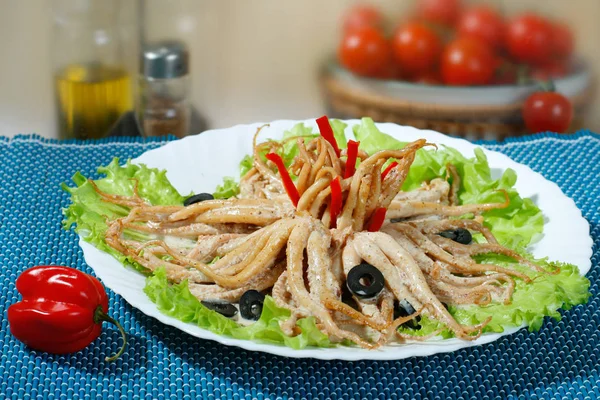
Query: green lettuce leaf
<point x="531" y="302"/>
<point x="227" y="189"/>
<point x="177" y="301"/>
<point x="338" y="132"/>
<point x="246" y="164"/>
<point x="372" y="139"/>
<point x="89" y="213"/>
<point x="290" y="147"/>
<point x="515" y="226"/>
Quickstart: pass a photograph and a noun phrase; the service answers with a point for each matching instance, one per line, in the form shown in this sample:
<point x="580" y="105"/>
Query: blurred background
<point x="260" y="60"/>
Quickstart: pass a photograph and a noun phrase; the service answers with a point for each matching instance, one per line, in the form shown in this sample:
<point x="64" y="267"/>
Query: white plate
<point x="198" y="164"/>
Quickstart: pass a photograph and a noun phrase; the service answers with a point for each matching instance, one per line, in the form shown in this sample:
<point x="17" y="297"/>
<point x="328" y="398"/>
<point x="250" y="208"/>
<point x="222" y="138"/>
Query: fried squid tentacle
<point x="260" y="241"/>
<point x="409" y="272"/>
<point x="298" y="241"/>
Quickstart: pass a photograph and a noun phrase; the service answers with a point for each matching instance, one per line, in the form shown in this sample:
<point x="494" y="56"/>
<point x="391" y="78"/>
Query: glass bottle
<point x="163" y="107"/>
<point x="93" y="87"/>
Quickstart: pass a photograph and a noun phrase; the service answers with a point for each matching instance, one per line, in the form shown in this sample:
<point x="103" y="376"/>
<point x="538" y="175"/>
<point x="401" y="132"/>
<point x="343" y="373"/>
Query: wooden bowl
<point x="477" y="112"/>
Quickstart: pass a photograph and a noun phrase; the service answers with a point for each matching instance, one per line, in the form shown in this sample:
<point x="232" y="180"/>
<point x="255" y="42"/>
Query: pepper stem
<point x="99" y="317"/>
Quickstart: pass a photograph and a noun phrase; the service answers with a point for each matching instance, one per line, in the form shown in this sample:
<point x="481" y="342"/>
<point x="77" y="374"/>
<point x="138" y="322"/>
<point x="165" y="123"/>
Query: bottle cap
<point x="165" y="60"/>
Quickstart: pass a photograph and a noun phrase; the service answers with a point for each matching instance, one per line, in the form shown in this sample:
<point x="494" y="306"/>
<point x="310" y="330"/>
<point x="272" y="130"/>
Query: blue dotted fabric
<point x="559" y="361"/>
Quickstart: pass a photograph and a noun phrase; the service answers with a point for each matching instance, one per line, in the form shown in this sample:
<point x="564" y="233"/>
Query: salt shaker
<point x="163" y="106"/>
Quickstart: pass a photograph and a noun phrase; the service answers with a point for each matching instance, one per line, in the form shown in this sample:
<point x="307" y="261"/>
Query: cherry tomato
<point x="444" y="12"/>
<point x="552" y="70"/>
<point x="416" y="47"/>
<point x="547" y="111"/>
<point x="529" y="39"/>
<point x="563" y="41"/>
<point x="365" y="51"/>
<point x="484" y="23"/>
<point x="360" y="16"/>
<point x="468" y="61"/>
<point x="427" y="78"/>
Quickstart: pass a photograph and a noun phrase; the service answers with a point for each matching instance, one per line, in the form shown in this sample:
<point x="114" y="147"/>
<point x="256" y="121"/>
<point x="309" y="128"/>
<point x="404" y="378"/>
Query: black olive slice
<point x="348" y="299"/>
<point x="404" y="309"/>
<point x="197" y="198"/>
<point x="226" y="309"/>
<point x="251" y="305"/>
<point x="459" y="235"/>
<point x="448" y="234"/>
<point x="463" y="236"/>
<point x="365" y="281"/>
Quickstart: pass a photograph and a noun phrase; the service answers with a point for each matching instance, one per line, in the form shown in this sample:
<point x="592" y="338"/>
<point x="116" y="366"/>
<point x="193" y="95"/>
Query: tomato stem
<point x="523" y="75"/>
<point x="547" y="86"/>
<point x="99" y="317"/>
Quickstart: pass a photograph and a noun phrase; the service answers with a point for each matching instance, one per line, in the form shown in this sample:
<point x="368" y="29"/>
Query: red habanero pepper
<point x="335" y="207"/>
<point x="352" y="153"/>
<point x="61" y="312"/>
<point x="327" y="133"/>
<point x="288" y="184"/>
<point x="377" y="219"/>
<point x="388" y="169"/>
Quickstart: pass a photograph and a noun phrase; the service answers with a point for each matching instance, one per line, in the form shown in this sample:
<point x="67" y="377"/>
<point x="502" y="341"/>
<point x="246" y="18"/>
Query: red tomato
<point x="365" y="51"/>
<point x="416" y="47"/>
<point x="547" y="111"/>
<point x="444" y="12"/>
<point x="552" y="70"/>
<point x="484" y="23"/>
<point x="529" y="39"/>
<point x="468" y="61"/>
<point x="360" y="16"/>
<point x="563" y="41"/>
<point x="427" y="78"/>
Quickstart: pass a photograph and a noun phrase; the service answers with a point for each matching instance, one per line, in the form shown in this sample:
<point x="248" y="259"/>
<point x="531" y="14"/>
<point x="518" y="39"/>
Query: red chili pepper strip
<point x="388" y="169"/>
<point x="288" y="184"/>
<point x="377" y="219"/>
<point x="335" y="207"/>
<point x="351" y="159"/>
<point x="61" y="312"/>
<point x="327" y="132"/>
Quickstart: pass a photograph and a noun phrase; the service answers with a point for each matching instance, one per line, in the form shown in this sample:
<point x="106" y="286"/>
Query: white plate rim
<point x="129" y="283"/>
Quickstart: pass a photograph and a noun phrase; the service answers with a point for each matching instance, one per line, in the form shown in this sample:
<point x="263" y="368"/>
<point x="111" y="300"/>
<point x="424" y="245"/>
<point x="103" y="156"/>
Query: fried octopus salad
<point x="326" y="242"/>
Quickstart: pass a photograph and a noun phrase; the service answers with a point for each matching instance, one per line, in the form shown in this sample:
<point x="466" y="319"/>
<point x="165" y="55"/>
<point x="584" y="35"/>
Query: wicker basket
<point x="472" y="121"/>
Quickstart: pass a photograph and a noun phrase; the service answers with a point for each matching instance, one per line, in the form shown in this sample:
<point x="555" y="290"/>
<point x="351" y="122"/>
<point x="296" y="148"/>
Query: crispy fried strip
<point x="295" y="260"/>
<point x="265" y="244"/>
<point x="404" y="210"/>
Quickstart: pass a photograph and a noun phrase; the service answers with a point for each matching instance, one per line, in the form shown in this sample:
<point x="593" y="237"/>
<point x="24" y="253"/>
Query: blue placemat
<point x="561" y="360"/>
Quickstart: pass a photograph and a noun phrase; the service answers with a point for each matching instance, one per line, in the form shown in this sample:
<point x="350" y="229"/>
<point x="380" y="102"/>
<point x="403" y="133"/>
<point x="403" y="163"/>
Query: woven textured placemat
<point x="559" y="361"/>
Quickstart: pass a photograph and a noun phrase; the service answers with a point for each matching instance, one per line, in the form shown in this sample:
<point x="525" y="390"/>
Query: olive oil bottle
<point x="94" y="44"/>
<point x="90" y="99"/>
